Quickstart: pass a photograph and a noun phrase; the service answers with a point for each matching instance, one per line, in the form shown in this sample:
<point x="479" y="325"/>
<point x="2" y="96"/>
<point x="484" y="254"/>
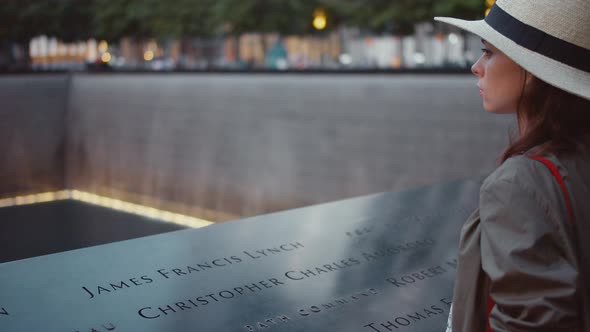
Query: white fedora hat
<point x="548" y="38"/>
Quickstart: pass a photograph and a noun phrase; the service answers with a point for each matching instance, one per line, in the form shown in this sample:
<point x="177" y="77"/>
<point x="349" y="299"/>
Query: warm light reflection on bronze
<point x="107" y="202"/>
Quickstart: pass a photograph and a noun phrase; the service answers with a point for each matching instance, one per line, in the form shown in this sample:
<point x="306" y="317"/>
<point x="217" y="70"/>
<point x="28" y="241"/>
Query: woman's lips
<point x="481" y="92"/>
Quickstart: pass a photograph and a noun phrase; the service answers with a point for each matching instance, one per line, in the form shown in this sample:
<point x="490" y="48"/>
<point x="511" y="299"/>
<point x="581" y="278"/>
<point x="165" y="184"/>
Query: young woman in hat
<point x="524" y="255"/>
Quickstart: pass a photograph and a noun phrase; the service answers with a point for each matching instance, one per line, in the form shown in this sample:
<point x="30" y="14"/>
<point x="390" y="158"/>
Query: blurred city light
<point x="103" y="46"/>
<point x="319" y="19"/>
<point x="106" y="57"/>
<point x="345" y="59"/>
<point x="419" y="58"/>
<point x="91" y="50"/>
<point x="380" y="36"/>
<point x="453" y="38"/>
<point x="148" y="55"/>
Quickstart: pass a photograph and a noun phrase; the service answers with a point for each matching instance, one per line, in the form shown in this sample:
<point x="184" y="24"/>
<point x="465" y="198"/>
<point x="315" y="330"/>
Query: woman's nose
<point x="476" y="68"/>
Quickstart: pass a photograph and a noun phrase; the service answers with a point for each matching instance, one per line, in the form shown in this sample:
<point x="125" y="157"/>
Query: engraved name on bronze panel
<point x="384" y="262"/>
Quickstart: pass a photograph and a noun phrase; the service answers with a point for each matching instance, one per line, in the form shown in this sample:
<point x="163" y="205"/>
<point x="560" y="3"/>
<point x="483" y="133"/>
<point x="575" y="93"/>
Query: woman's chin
<point x="488" y="107"/>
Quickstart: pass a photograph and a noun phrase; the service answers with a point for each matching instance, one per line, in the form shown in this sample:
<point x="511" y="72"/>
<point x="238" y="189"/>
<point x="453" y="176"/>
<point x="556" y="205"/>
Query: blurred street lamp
<point x="103" y="46"/>
<point x="319" y="19"/>
<point x="105" y="57"/>
<point x="148" y="55"/>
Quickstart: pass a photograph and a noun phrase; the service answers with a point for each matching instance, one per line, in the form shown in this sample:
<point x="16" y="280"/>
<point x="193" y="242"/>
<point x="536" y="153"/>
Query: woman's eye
<point x="486" y="52"/>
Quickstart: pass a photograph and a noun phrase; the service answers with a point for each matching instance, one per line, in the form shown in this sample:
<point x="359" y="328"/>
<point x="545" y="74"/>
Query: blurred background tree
<point x="113" y="19"/>
<point x="154" y="18"/>
<point x="20" y="20"/>
<point x="190" y="20"/>
<point x="466" y="9"/>
<point x="282" y="16"/>
<point x="400" y="17"/>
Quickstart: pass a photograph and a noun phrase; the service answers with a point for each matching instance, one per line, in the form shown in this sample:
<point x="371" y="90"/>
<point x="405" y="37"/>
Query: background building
<point x="234" y="34"/>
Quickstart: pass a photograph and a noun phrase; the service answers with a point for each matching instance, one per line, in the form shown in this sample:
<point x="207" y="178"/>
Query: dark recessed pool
<point x="47" y="228"/>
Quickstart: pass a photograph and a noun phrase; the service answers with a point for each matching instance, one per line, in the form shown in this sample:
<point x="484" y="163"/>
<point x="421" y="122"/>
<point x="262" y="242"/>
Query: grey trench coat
<point x="520" y="248"/>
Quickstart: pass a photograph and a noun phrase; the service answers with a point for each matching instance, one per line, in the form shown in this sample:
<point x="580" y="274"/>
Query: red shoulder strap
<point x="568" y="203"/>
<point x="491" y="305"/>
<point x="559" y="179"/>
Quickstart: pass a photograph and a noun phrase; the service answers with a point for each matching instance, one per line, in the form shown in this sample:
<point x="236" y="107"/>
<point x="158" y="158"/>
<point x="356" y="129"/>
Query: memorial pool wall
<point x="223" y="146"/>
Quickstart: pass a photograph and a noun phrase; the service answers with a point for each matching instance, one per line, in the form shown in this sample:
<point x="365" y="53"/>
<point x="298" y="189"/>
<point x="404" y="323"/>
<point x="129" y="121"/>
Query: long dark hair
<point x="552" y="119"/>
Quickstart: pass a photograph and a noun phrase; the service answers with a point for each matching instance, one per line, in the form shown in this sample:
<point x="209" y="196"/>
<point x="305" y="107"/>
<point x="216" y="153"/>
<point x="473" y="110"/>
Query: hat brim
<point x="553" y="72"/>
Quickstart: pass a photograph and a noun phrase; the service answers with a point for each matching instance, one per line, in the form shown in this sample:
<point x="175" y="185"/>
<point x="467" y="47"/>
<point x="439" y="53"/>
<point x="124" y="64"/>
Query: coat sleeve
<point x="532" y="282"/>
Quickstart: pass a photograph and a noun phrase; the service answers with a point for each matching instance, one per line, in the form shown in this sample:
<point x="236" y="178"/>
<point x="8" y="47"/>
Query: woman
<point x="524" y="255"/>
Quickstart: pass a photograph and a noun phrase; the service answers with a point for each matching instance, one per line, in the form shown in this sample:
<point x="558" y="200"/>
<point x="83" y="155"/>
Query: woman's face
<point x="500" y="80"/>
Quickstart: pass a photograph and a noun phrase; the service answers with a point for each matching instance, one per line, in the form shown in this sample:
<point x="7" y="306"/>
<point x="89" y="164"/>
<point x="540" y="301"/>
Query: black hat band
<point x="538" y="41"/>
